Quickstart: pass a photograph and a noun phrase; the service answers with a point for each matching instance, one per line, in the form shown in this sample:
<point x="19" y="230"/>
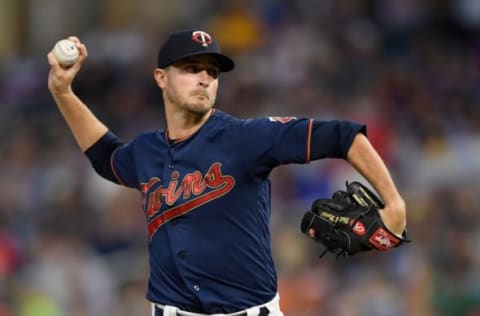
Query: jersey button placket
<point x="171" y="165"/>
<point x="182" y="254"/>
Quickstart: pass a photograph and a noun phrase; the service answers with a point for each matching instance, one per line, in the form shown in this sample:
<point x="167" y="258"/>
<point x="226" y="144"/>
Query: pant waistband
<point x="269" y="308"/>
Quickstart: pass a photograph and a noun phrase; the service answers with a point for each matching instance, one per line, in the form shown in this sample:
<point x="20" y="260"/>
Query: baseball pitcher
<point x="204" y="180"/>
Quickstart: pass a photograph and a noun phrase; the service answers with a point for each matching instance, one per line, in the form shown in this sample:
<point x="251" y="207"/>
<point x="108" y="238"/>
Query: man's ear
<point x="159" y="76"/>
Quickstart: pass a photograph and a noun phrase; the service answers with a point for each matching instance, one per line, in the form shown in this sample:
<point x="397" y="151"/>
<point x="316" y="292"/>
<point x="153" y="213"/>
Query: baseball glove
<point x="350" y="222"/>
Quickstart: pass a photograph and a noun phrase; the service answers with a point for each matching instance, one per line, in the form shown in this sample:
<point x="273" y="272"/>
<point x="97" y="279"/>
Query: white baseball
<point x="65" y="52"/>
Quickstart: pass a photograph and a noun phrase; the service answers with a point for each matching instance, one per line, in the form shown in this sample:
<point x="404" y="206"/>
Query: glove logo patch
<point x="332" y="218"/>
<point x="383" y="240"/>
<point x="359" y="228"/>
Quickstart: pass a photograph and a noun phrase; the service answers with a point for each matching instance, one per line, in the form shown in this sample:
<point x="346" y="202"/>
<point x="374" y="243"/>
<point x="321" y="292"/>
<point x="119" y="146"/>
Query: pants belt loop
<point x="170" y="310"/>
<point x="253" y="311"/>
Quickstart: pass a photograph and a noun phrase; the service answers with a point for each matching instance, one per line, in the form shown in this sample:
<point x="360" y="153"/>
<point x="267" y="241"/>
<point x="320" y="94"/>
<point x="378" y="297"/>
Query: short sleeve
<point x="272" y="141"/>
<point x="332" y="139"/>
<point x="124" y="166"/>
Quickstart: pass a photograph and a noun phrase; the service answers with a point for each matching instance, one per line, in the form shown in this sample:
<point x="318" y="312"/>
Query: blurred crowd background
<point x="74" y="244"/>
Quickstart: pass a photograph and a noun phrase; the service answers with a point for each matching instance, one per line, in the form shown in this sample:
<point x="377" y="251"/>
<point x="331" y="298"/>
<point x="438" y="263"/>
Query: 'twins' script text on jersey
<point x="194" y="188"/>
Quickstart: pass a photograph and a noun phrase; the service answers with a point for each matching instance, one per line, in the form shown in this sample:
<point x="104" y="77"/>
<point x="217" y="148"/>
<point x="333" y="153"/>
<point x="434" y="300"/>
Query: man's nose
<point x="204" y="78"/>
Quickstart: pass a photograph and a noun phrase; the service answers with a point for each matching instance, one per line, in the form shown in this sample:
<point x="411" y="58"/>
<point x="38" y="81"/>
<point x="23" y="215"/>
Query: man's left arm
<point x="365" y="159"/>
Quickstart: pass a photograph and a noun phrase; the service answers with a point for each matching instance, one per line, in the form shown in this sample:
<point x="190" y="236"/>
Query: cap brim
<point x="225" y="63"/>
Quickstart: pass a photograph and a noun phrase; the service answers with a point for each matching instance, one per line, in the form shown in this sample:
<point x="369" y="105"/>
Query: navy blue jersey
<point x="207" y="204"/>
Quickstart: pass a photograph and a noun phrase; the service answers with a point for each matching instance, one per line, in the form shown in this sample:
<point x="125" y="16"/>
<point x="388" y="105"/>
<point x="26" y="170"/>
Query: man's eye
<point x="213" y="72"/>
<point x="191" y="69"/>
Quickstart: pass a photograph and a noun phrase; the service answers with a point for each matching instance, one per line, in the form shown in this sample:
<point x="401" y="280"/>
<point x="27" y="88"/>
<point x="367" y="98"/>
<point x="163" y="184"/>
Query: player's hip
<point x="271" y="308"/>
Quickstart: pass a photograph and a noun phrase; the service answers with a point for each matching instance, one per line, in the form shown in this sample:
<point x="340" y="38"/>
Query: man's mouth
<point x="201" y="94"/>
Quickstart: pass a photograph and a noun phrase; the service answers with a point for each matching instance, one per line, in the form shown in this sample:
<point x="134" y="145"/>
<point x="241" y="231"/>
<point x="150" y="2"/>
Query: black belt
<point x="263" y="312"/>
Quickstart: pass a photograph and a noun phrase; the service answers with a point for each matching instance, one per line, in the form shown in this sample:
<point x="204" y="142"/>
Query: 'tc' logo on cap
<point x="202" y="37"/>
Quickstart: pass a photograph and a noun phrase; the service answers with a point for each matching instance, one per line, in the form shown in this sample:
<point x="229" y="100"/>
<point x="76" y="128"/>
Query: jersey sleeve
<point x="332" y="139"/>
<point x="273" y="141"/>
<point x="100" y="155"/>
<point x="124" y="165"/>
<point x="269" y="142"/>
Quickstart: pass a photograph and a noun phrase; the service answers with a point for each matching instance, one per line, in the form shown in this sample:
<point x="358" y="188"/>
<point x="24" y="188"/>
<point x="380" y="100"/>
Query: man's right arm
<point x="85" y="126"/>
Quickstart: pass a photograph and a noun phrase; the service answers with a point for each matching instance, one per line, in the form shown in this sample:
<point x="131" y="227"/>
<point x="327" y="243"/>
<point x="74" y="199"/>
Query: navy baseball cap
<point x="187" y="43"/>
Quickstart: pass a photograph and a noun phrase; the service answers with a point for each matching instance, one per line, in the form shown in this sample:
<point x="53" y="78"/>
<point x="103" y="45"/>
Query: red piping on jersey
<point x="113" y="167"/>
<point x="309" y="139"/>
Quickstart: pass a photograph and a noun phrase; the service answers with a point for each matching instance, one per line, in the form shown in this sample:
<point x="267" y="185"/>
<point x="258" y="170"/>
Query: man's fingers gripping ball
<point x="66" y="53"/>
